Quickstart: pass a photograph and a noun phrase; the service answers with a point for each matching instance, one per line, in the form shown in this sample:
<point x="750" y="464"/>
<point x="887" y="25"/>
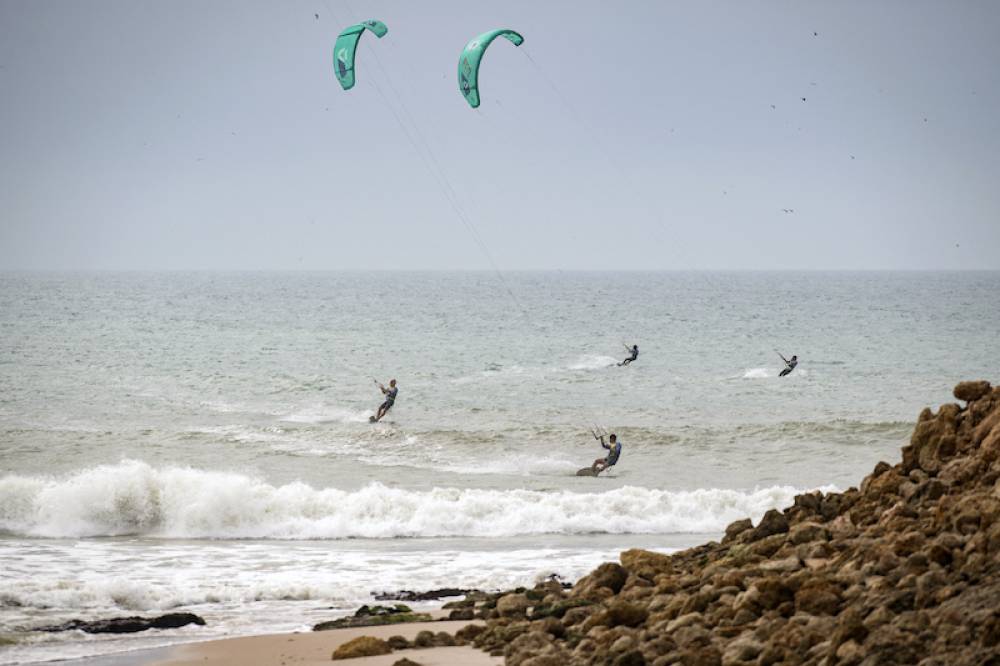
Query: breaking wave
<point x="134" y="498"/>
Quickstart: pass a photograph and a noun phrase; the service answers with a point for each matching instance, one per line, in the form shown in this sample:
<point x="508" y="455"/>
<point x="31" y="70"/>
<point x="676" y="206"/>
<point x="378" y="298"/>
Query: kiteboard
<point x="371" y="419"/>
<point x="586" y="471"/>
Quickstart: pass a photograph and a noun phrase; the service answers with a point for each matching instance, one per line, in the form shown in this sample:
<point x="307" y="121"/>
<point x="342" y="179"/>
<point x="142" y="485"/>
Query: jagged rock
<point x="808" y="531"/>
<point x="741" y="651"/>
<point x="773" y="522"/>
<point x="626" y="614"/>
<point x="127" y="625"/>
<point x="630" y="658"/>
<point x="969" y="391"/>
<point x="609" y="575"/>
<point x="513" y="605"/>
<point x="362" y="646"/>
<point x="534" y="645"/>
<point x="784" y="565"/>
<point x="645" y="563"/>
<point x="737" y="528"/>
<point x="818" y="598"/>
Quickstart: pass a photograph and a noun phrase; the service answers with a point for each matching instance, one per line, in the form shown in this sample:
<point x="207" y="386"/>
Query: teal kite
<point x="347" y="45"/>
<point x="468" y="64"/>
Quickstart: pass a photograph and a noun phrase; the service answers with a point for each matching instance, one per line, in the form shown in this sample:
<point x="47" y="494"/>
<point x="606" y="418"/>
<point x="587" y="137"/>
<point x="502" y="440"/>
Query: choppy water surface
<point x="200" y="441"/>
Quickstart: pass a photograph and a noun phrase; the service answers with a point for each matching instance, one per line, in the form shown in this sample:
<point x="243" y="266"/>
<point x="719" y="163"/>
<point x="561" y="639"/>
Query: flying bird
<point x="317" y="16"/>
<point x="787" y="210"/>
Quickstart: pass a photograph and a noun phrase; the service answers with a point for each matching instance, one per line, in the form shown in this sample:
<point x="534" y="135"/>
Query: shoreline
<point x="316" y="647"/>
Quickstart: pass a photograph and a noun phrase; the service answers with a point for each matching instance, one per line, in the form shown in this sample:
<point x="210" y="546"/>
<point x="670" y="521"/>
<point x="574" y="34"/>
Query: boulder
<point x="818" y="598"/>
<point x="969" y="391"/>
<point x="646" y="563"/>
<point x="469" y="632"/>
<point x="609" y="575"/>
<point x="513" y="605"/>
<point x="773" y="522"/>
<point x="362" y="646"/>
<point x="462" y="614"/>
<point x="807" y="532"/>
<point x="398" y="642"/>
<point x="743" y="650"/>
<point x="127" y="625"/>
<point x="737" y="528"/>
<point x="626" y="614"/>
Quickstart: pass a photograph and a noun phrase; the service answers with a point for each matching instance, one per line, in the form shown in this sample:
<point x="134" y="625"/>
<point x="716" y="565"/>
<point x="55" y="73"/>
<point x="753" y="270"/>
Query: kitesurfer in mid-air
<point x="614" y="448"/>
<point x="789" y="364"/>
<point x="633" y="354"/>
<point x="390" y="400"/>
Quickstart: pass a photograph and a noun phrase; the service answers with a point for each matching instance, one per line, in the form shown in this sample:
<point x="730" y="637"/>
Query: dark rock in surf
<point x="373" y="616"/>
<point x="429" y="595"/>
<point x="127" y="625"/>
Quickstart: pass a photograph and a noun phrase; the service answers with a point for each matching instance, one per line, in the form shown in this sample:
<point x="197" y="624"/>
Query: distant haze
<point x="639" y="135"/>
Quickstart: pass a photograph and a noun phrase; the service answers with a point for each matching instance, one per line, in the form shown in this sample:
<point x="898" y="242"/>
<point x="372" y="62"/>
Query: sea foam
<point x="592" y="362"/>
<point x="134" y="498"/>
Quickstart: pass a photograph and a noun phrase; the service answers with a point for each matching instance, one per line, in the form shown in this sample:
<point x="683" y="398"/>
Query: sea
<point x="200" y="442"/>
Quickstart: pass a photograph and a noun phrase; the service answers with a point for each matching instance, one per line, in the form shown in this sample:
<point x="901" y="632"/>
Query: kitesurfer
<point x="614" y="448"/>
<point x="633" y="354"/>
<point x="789" y="364"/>
<point x="390" y="400"/>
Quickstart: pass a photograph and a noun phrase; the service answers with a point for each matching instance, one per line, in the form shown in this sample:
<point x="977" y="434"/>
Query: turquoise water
<point x="225" y="417"/>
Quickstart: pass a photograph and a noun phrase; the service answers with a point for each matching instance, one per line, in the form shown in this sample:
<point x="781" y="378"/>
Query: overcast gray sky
<point x="646" y="135"/>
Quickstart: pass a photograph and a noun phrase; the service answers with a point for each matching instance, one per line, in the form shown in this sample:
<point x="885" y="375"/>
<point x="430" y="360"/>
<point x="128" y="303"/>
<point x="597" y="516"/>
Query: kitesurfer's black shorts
<point x="386" y="405"/>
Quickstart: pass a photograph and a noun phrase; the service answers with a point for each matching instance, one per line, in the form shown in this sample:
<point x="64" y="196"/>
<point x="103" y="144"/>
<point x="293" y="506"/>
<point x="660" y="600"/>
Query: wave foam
<point x="132" y="498"/>
<point x="759" y="373"/>
<point x="592" y="362"/>
<point x="325" y="414"/>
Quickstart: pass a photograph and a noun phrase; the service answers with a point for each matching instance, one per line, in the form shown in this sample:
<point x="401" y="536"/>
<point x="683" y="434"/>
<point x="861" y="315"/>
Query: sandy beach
<point x="303" y="649"/>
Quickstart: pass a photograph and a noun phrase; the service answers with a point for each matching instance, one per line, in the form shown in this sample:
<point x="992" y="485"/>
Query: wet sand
<point x="307" y="649"/>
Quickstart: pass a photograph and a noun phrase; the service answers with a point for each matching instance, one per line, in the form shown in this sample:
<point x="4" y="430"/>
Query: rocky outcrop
<point x="904" y="569"/>
<point x="429" y="595"/>
<point x="127" y="625"/>
<point x="372" y="616"/>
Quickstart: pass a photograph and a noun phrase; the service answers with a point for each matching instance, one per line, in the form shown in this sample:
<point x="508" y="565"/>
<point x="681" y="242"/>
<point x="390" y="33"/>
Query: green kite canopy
<point x="468" y="63"/>
<point x="347" y="45"/>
